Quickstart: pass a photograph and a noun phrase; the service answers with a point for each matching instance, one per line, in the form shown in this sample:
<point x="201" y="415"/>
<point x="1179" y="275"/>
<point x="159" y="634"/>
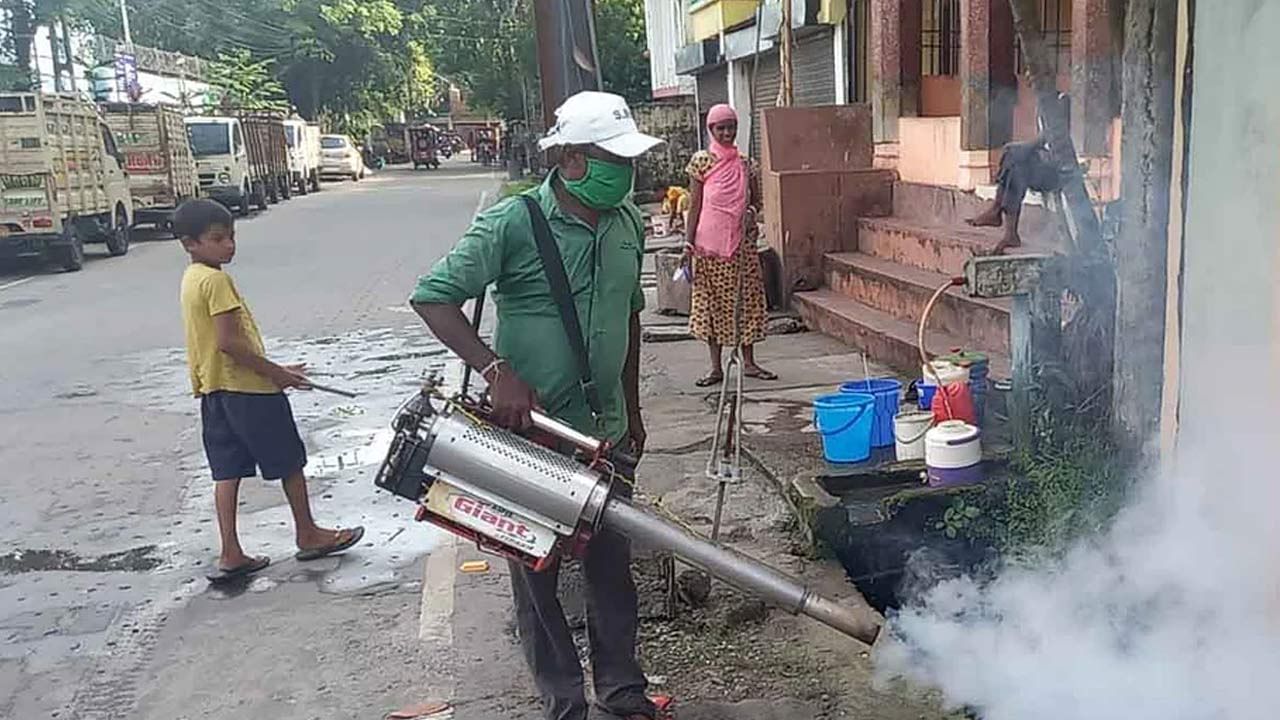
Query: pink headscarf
<point x="724" y="193"/>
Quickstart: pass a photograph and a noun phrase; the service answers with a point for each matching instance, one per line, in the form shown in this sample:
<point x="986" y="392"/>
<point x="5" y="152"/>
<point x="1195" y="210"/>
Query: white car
<point x="339" y="157"/>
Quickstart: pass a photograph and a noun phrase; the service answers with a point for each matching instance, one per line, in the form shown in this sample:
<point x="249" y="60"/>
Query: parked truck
<point x="304" y="155"/>
<point x="240" y="160"/>
<point x="268" y="145"/>
<point x="157" y="158"/>
<point x="62" y="180"/>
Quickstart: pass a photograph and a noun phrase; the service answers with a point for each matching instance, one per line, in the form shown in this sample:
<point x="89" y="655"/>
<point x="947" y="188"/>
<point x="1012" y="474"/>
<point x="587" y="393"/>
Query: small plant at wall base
<point x="958" y="519"/>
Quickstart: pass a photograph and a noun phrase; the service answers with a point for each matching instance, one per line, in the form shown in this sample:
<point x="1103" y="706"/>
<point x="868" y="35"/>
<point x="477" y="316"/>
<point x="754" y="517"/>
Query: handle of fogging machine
<point x="584" y="442"/>
<point x="625" y="462"/>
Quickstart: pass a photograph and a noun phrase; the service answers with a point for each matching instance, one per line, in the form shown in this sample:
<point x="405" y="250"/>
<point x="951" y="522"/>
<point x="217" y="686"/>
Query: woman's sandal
<point x="219" y="576"/>
<point x="759" y="373"/>
<point x="709" y="380"/>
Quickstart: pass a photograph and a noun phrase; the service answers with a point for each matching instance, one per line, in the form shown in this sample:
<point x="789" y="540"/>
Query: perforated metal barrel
<point x="510" y="467"/>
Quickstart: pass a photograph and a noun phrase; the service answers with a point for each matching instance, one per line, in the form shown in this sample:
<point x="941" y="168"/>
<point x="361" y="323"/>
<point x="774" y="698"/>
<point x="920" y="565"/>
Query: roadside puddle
<point x="346" y="440"/>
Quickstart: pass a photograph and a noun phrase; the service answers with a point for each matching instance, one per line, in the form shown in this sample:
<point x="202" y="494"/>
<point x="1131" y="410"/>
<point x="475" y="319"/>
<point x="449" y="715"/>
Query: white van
<point x="304" y="155"/>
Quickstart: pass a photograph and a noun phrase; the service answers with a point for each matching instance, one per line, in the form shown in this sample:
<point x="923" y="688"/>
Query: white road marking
<point x="480" y="205"/>
<point x="435" y="624"/>
<point x="16" y="283"/>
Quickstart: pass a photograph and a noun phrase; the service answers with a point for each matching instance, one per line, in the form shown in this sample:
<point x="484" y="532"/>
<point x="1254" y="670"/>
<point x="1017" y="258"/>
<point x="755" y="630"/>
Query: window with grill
<point x="940" y="37"/>
<point x="1055" y="25"/>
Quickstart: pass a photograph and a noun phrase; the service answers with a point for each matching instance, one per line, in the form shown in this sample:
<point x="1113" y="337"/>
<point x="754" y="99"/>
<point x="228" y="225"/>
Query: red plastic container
<point x="954" y="402"/>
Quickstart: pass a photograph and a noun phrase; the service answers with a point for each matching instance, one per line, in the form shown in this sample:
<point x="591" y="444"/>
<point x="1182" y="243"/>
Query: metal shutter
<point x="766" y="94"/>
<point x="813" y="75"/>
<point x="713" y="88"/>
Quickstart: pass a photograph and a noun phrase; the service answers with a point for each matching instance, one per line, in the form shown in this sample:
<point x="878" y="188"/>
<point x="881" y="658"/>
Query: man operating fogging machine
<point x="565" y="262"/>
<point x="584" y="210"/>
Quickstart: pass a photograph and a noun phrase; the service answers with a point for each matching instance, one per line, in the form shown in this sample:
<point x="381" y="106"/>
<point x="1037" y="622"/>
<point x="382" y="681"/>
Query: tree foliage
<point x="356" y="62"/>
<point x="624" y="64"/>
<point x="243" y="83"/>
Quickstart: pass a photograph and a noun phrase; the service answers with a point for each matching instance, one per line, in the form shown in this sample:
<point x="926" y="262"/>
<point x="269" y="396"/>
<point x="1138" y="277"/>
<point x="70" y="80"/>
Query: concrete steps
<point x="882" y="336"/>
<point x="902" y="291"/>
<point x="874" y="295"/>
<point x="937" y="248"/>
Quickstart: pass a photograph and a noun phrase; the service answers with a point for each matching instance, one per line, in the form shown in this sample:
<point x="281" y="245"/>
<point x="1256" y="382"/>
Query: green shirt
<point x="603" y="267"/>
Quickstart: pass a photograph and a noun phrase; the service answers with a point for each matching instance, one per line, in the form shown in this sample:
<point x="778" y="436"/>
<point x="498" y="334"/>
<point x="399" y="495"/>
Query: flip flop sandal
<point x="708" y="381"/>
<point x="220" y="576"/>
<point x="420" y="710"/>
<point x="356" y="533"/>
<point x="760" y="374"/>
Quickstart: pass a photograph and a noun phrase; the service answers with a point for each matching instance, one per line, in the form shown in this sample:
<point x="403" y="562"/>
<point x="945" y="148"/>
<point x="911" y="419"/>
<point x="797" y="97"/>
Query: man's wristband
<point x="492" y="367"/>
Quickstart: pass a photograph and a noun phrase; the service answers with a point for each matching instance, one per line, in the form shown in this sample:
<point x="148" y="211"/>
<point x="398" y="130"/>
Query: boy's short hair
<point x="194" y="218"/>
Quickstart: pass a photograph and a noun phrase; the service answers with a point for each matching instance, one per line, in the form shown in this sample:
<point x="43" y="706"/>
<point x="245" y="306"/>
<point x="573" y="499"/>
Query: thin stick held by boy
<point x="247" y="423"/>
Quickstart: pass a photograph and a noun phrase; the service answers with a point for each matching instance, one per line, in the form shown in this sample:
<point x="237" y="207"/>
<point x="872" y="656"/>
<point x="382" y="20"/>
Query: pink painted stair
<point x="902" y="291"/>
<point x="876" y="292"/>
<point x="882" y="336"/>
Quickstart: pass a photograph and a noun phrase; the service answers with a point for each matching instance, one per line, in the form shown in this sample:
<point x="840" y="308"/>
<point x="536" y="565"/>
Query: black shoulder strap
<point x="553" y="266"/>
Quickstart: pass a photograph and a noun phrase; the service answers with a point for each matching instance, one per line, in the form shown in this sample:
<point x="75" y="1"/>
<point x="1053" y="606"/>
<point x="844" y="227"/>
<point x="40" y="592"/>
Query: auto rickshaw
<point x="423" y="141"/>
<point x="485" y="150"/>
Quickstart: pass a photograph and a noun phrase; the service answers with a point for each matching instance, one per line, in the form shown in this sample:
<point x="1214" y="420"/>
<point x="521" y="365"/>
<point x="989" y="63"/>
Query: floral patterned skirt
<point x="715" y="285"/>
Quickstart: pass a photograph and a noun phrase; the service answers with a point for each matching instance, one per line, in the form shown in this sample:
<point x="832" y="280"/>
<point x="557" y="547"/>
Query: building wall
<point x="929" y="150"/>
<point x="665" y="32"/>
<point x="676" y="121"/>
<point x="1229" y="303"/>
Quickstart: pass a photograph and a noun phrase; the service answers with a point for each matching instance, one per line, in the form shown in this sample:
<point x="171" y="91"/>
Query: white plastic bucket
<point x="953" y="454"/>
<point x="944" y="372"/>
<point x="909" y="429"/>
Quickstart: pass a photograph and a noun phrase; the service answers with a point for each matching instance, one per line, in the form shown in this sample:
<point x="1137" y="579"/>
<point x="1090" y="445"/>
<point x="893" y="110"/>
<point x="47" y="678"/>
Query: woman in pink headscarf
<point x="722" y="235"/>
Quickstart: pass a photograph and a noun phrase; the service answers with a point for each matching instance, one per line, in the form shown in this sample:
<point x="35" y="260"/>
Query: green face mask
<point x="604" y="186"/>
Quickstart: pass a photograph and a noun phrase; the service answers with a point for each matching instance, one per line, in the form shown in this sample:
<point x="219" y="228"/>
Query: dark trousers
<point x="611" y="629"/>
<point x="1023" y="167"/>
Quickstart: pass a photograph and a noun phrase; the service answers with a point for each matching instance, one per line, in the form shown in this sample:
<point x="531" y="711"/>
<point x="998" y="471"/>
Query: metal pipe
<point x="580" y="440"/>
<point x="747" y="574"/>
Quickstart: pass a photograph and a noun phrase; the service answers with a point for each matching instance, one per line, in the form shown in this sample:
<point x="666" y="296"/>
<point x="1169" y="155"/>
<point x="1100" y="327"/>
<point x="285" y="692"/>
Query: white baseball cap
<point x="600" y="119"/>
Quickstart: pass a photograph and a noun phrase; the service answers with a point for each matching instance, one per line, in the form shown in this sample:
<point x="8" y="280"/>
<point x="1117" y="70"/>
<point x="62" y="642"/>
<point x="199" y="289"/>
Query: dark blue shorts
<point x="245" y="432"/>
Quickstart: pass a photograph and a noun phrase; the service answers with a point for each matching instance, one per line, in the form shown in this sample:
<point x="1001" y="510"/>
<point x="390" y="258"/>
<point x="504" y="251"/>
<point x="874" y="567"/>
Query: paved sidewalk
<point x="732" y="659"/>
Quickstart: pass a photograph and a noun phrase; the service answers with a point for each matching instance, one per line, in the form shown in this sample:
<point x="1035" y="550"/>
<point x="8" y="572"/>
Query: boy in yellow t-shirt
<point x="246" y="419"/>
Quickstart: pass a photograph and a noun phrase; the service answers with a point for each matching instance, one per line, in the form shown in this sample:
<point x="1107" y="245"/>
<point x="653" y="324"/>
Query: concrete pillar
<point x="988" y="86"/>
<point x="895" y="63"/>
<point x="740" y="99"/>
<point x="1092" y="58"/>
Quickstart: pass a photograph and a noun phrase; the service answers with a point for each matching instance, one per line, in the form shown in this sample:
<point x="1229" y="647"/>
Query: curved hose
<point x="924" y="319"/>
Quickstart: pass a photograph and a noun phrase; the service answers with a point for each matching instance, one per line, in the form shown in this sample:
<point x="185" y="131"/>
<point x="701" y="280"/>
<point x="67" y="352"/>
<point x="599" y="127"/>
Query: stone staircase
<point x="877" y="285"/>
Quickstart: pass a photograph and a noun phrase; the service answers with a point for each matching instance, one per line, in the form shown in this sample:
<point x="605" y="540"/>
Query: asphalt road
<point x="106" y="522"/>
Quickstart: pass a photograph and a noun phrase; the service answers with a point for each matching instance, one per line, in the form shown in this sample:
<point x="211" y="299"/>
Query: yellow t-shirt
<point x="207" y="292"/>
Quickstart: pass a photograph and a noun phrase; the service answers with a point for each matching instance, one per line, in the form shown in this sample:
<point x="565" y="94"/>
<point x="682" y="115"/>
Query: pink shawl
<point x="724" y="194"/>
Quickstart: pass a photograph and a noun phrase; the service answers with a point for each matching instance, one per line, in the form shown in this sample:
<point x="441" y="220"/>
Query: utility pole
<point x="567" y="58"/>
<point x="66" y="52"/>
<point x="124" y="23"/>
<point x="54" y="50"/>
<point x="786" y="95"/>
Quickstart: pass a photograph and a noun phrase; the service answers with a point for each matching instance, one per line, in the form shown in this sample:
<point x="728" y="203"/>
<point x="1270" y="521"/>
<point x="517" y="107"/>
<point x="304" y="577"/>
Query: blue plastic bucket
<point x="888" y="394"/>
<point x="978" y="390"/>
<point x="926" y="389"/>
<point x="844" y="420"/>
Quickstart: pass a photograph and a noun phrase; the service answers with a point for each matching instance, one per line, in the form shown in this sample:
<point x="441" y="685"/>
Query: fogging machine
<point x="534" y="502"/>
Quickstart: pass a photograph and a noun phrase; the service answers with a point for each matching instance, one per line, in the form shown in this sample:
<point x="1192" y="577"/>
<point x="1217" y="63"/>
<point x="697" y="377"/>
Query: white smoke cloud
<point x="1172" y="614"/>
